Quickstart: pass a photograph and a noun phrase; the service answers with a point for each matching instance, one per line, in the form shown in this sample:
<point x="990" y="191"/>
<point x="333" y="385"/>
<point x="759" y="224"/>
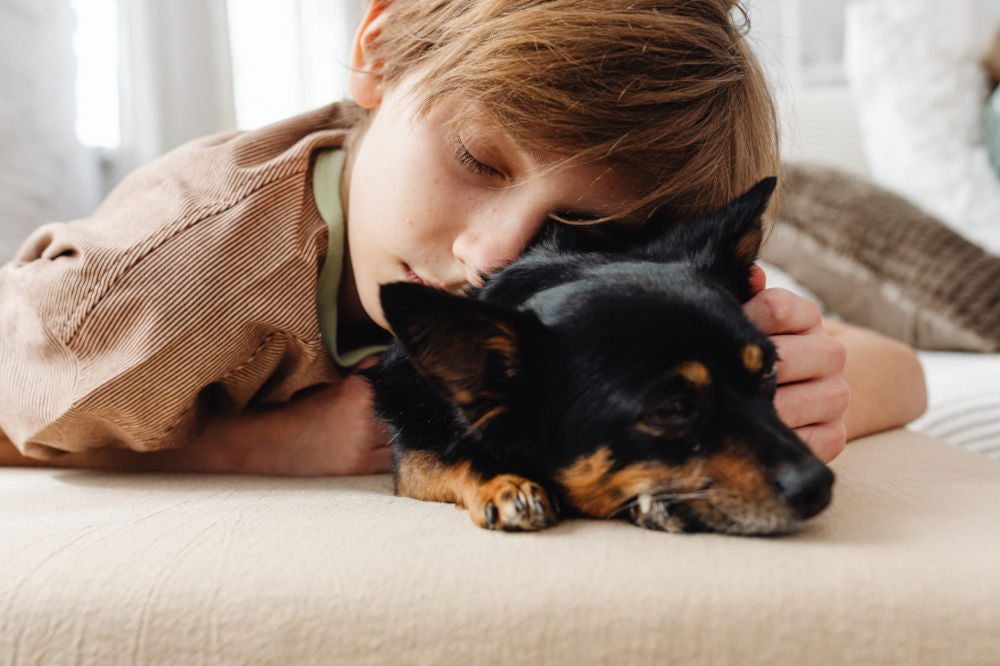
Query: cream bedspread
<point x="102" y="568"/>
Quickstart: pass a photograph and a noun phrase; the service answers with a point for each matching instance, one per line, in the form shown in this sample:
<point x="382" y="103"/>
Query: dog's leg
<point x="506" y="501"/>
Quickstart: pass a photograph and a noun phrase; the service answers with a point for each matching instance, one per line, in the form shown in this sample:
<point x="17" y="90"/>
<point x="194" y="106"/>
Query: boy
<point x="204" y="311"/>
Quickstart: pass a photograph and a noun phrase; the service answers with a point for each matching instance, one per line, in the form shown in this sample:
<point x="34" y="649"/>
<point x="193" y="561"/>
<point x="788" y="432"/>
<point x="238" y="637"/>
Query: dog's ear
<point x="469" y="351"/>
<point x="725" y="242"/>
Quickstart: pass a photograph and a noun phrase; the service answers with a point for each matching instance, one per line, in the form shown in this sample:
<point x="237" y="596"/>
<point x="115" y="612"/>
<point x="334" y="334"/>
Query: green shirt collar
<point x="326" y="190"/>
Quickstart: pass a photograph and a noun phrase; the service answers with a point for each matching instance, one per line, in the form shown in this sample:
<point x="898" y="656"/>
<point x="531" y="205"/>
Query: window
<point x="799" y="42"/>
<point x="96" y="45"/>
<point x="288" y="56"/>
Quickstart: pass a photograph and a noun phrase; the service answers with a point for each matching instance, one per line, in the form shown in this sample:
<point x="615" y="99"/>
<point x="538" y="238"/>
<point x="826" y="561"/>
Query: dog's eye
<point x="672" y="418"/>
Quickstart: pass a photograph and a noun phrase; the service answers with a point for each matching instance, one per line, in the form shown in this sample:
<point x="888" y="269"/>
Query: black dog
<point x="624" y="383"/>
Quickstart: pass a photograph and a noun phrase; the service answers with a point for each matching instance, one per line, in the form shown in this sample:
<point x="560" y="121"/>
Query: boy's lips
<point x="412" y="276"/>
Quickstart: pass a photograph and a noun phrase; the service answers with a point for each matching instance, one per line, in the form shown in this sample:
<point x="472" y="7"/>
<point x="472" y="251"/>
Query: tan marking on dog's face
<point x="741" y="500"/>
<point x="737" y="496"/>
<point x="753" y="358"/>
<point x="740" y="473"/>
<point x="596" y="491"/>
<point x="696" y="373"/>
<point x="587" y="471"/>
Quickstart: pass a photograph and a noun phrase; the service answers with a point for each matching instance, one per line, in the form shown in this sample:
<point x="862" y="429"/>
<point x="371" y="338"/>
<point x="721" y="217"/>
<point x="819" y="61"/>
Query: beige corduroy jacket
<point x="191" y="289"/>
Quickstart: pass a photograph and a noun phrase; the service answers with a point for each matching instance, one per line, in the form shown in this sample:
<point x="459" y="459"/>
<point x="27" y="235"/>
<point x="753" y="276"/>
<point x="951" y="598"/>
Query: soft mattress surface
<point x="110" y="568"/>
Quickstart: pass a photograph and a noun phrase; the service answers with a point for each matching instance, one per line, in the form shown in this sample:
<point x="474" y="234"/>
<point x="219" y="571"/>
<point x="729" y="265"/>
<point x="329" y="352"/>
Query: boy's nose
<point x="494" y="241"/>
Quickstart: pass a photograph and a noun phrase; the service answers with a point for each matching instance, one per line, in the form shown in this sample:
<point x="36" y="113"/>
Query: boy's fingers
<point x="808" y="356"/>
<point x="777" y="310"/>
<point x="809" y="403"/>
<point x="758" y="281"/>
<point x="826" y="440"/>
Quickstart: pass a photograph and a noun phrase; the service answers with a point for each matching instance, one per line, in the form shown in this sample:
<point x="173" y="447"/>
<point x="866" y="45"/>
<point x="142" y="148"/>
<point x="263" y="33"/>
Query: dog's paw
<point x="512" y="503"/>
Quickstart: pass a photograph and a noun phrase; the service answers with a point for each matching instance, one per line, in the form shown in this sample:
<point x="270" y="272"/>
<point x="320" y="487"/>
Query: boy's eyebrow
<point x="536" y="156"/>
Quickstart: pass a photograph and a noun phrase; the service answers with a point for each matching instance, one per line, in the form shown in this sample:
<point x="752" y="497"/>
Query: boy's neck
<point x="355" y="328"/>
<point x="349" y="308"/>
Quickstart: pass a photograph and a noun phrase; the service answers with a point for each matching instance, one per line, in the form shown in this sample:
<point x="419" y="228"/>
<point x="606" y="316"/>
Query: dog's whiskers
<point x="645" y="500"/>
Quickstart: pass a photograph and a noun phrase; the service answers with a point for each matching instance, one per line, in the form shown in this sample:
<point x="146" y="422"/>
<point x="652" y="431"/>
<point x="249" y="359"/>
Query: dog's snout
<point x="805" y="488"/>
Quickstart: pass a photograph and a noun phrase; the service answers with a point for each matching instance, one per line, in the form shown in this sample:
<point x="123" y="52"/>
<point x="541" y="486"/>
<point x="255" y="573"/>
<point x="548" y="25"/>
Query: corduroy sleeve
<point x="190" y="290"/>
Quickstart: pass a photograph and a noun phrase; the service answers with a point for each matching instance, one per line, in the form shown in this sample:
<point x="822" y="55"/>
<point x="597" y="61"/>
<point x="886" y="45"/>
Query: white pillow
<point x="963" y="400"/>
<point x="920" y="92"/>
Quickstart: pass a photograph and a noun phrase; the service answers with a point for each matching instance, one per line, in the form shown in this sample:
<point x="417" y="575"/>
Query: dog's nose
<point x="806" y="488"/>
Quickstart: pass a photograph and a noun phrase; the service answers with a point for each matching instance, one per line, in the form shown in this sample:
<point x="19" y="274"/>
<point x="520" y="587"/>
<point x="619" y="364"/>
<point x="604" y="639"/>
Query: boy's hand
<point x="328" y="431"/>
<point x="331" y="431"/>
<point x="812" y="396"/>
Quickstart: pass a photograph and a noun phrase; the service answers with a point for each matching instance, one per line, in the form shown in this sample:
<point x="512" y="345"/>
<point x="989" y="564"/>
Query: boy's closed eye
<point x="481" y="167"/>
<point x="471" y="163"/>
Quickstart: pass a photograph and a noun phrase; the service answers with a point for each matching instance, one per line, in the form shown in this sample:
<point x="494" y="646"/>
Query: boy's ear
<point x="468" y="350"/>
<point x="725" y="242"/>
<point x="365" y="84"/>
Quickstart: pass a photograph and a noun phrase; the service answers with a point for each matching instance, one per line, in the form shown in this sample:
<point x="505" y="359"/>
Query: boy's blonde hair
<point x="667" y="91"/>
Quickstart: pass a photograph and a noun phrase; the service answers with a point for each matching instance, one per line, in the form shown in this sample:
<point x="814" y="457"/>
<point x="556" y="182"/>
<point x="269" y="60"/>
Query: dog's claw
<point x="503" y="504"/>
<point x="491" y="515"/>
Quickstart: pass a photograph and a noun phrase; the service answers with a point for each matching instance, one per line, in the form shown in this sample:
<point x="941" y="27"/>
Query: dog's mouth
<point x="668" y="509"/>
<point x="704" y="509"/>
<point x="667" y="515"/>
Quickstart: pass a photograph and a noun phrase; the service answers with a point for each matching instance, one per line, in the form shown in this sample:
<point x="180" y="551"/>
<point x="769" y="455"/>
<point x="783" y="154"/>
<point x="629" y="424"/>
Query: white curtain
<point x="289" y="55"/>
<point x="194" y="67"/>
<point x="176" y="77"/>
<point x="45" y="174"/>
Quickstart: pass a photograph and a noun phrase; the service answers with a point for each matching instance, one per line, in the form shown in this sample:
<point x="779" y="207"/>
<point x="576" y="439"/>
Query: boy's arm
<point x="327" y="431"/>
<point x="886" y="379"/>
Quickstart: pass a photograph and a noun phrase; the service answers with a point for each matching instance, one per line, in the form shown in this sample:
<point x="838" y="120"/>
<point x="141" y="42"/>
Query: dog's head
<point x="631" y="382"/>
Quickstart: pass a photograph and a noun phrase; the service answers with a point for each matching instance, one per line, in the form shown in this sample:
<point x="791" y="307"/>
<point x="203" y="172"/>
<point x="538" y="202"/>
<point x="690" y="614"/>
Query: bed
<point x="106" y="568"/>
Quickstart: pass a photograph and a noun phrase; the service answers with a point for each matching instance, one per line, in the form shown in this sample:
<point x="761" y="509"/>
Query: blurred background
<point x="94" y="88"/>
